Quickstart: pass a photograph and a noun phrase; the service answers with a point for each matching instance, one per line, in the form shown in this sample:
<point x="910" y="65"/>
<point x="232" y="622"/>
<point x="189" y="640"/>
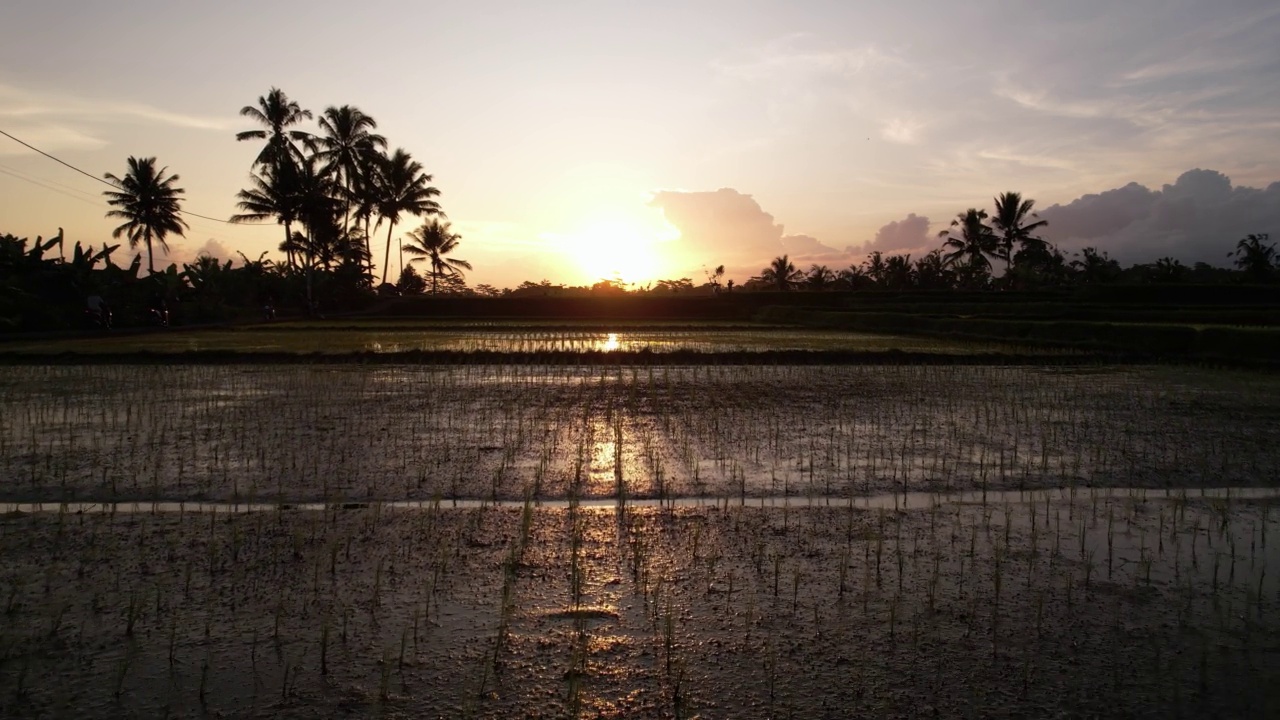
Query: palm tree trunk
<point x="288" y="236"/>
<point x="386" y="261"/>
<point x="310" y="264"/>
<point x="151" y="255"/>
<point x="368" y="248"/>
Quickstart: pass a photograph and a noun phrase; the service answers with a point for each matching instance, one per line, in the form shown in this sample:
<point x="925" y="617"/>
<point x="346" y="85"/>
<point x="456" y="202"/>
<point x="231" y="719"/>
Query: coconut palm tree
<point x="347" y="149"/>
<point x="874" y="268"/>
<point x="273" y="195"/>
<point x="1011" y="221"/>
<point x="432" y="242"/>
<point x="1094" y="267"/>
<point x="899" y="274"/>
<point x="401" y="187"/>
<point x="819" y="277"/>
<point x="1254" y="258"/>
<point x="781" y="273"/>
<point x="149" y="204"/>
<point x="277" y="113"/>
<point x="970" y="239"/>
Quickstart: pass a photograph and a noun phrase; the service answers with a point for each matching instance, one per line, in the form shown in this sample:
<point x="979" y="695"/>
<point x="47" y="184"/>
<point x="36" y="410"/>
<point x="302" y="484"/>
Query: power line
<point x="110" y="184"/>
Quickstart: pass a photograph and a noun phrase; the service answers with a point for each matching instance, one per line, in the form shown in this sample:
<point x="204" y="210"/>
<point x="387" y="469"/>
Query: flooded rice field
<point x="337" y="340"/>
<point x="658" y="542"/>
<point x="1126" y="605"/>
<point x="343" y="432"/>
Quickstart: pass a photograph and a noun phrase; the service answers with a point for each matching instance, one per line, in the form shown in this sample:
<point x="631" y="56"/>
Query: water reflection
<point x="610" y="343"/>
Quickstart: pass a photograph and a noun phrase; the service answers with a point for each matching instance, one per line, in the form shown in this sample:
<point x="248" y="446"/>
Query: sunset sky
<point x="575" y="140"/>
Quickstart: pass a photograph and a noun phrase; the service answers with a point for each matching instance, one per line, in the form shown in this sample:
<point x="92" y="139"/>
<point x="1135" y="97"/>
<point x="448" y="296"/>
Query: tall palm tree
<point x="273" y="195"/>
<point x="970" y="239"/>
<point x="1254" y="258"/>
<point x="277" y="113"/>
<point x="402" y="187"/>
<point x="149" y="204"/>
<point x="781" y="273"/>
<point x="347" y="147"/>
<point x="1011" y="221"/>
<point x="432" y="242"/>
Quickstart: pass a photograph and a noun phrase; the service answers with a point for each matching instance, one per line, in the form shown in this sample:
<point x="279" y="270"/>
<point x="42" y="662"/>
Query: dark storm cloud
<point x="1198" y="218"/>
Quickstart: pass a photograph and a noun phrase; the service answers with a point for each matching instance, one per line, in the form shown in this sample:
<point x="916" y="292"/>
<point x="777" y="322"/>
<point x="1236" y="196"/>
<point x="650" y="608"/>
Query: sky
<point x="574" y="141"/>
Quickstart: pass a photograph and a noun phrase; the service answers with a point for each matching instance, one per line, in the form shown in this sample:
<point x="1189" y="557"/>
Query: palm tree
<point x="149" y="204"/>
<point x="433" y="241"/>
<point x="819" y="277"/>
<point x="931" y="272"/>
<point x="898" y="272"/>
<point x="970" y="239"/>
<point x="273" y="195"/>
<point x="1254" y="258"/>
<point x="1011" y="221"/>
<point x="874" y="268"/>
<point x="347" y="149"/>
<point x="1094" y="267"/>
<point x="781" y="274"/>
<point x="277" y="113"/>
<point x="401" y="187"/>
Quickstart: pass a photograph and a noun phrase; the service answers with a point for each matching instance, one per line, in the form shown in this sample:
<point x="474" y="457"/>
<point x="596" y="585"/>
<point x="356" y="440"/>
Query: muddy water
<point x="1109" y="604"/>
<point x="343" y="433"/>
<point x="895" y="501"/>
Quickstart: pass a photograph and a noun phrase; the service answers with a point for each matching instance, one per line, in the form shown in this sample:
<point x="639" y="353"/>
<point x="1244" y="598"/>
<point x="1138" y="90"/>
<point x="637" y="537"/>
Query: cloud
<point x="727" y="227"/>
<point x="1198" y="218"/>
<point x="905" y="131"/>
<point x="39" y="108"/>
<point x="802" y="55"/>
<point x="183" y="253"/>
<point x="48" y="138"/>
<point x="909" y="235"/>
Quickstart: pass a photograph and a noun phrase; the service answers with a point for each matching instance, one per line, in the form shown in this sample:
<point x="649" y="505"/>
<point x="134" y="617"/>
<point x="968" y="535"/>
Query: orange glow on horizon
<point x="631" y="250"/>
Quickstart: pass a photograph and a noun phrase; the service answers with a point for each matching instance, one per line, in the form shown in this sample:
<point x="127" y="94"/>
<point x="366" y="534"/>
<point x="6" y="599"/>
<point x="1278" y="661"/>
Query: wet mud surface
<point x="1075" y="606"/>
<point x="341" y="432"/>
<point x="1155" y="600"/>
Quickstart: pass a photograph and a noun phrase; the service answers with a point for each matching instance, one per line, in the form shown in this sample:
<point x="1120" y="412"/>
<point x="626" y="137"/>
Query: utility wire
<point x="108" y="183"/>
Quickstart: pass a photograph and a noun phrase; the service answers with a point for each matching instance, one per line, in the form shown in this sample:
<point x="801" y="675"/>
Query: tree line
<point x="332" y="189"/>
<point x="976" y="244"/>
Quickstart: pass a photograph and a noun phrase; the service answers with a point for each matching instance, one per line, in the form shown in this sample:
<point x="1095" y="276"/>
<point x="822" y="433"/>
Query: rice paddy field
<point x="383" y="338"/>
<point x="713" y="540"/>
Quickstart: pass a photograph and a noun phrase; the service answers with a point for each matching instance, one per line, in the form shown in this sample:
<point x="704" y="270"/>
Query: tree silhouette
<point x="348" y="150"/>
<point x="781" y="274"/>
<point x="898" y="272"/>
<point x="1255" y="259"/>
<point x="874" y="268"/>
<point x="273" y="195"/>
<point x="277" y="113"/>
<point x="400" y="187"/>
<point x="1095" y="267"/>
<point x="149" y="204"/>
<point x="433" y="242"/>
<point x="1168" y="270"/>
<point x="932" y="273"/>
<point x="1013" y="221"/>
<point x="970" y="239"/>
<point x="819" y="277"/>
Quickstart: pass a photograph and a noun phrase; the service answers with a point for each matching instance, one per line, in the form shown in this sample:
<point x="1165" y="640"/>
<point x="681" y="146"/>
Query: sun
<point x="627" y="250"/>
